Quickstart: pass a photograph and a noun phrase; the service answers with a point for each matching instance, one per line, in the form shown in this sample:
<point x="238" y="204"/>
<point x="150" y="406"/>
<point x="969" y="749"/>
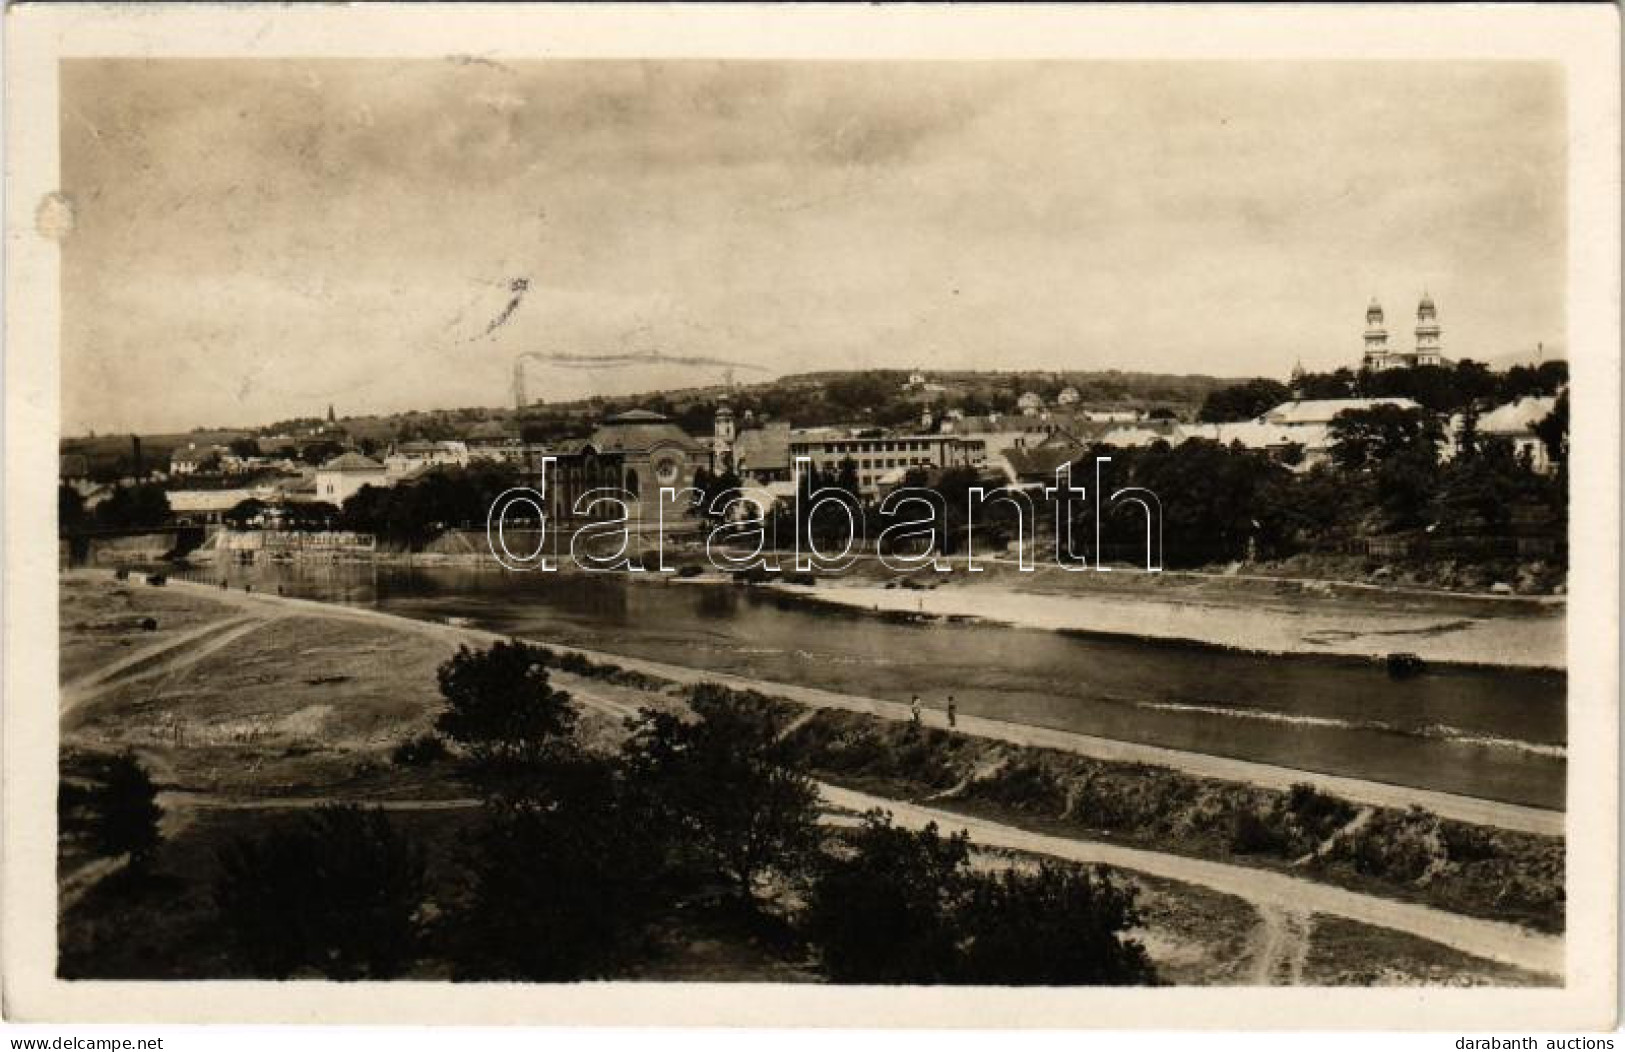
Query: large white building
<point x="878" y="456"/>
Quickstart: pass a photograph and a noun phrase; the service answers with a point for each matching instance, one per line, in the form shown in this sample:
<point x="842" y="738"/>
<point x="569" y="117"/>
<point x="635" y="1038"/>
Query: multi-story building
<point x="877" y="455"/>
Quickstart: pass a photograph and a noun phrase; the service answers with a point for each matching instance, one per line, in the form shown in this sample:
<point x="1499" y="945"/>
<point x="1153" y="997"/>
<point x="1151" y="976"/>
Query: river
<point x="1496" y="734"/>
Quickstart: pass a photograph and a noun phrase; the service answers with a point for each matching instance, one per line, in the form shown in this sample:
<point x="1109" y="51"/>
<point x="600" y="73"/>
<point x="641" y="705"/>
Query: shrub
<point x="904" y="907"/>
<point x="126" y="811"/>
<point x="885" y="912"/>
<point x="1251" y="834"/>
<point x="501" y="708"/>
<point x="423" y="751"/>
<point x="729" y="783"/>
<point x="1053" y="927"/>
<point x="563" y="886"/>
<point x="336" y="892"/>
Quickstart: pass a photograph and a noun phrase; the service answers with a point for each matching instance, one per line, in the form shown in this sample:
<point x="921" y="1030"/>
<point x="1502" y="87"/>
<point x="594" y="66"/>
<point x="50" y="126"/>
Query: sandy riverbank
<point x="1261" y="614"/>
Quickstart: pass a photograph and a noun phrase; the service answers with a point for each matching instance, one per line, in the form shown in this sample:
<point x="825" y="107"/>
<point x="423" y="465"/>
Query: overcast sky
<point x="256" y="239"/>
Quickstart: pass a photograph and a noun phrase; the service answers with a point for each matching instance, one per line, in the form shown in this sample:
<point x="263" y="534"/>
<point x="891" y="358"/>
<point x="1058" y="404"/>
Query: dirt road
<point x="1288" y="896"/>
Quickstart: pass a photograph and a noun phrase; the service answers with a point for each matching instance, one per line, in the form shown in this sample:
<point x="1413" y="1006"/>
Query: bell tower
<point x="722" y="439"/>
<point x="1376" y="338"/>
<point x="1429" y="351"/>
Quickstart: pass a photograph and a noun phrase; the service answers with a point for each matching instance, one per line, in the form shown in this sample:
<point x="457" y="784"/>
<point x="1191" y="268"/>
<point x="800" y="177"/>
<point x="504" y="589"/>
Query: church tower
<point x="1428" y="349"/>
<point x="722" y="440"/>
<point x="1376" y="338"/>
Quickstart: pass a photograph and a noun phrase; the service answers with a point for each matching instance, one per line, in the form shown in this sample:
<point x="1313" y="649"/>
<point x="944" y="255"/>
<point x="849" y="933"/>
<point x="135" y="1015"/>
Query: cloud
<point x="353" y="223"/>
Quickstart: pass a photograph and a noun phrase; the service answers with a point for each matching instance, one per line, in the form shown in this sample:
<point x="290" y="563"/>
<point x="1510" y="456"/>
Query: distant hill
<point x="804" y="399"/>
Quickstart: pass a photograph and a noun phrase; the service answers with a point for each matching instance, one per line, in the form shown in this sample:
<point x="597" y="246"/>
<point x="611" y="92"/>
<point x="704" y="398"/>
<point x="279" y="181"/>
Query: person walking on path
<point x="914" y="710"/>
<point x="953" y="712"/>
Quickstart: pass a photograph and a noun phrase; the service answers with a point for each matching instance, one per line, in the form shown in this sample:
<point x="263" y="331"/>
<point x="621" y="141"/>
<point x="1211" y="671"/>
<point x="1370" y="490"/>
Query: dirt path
<point x="155" y="658"/>
<point x="1375" y="794"/>
<point x="1283" y="946"/>
<point x="77" y="884"/>
<point x="1491" y="940"/>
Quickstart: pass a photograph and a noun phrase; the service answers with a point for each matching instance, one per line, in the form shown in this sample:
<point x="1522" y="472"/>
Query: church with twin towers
<point x="1427" y="351"/>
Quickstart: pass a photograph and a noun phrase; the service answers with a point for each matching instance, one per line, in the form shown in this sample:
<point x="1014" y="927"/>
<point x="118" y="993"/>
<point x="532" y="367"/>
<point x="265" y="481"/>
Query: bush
<point x="501" y="708"/>
<point x="1318" y="814"/>
<point x="885" y="912"/>
<point x="1054" y="927"/>
<point x="1251" y="834"/>
<point x="423" y="751"/>
<point x="729" y="783"/>
<point x="336" y="892"/>
<point x="565" y="885"/>
<point x="904" y="907"/>
<point x="126" y="811"/>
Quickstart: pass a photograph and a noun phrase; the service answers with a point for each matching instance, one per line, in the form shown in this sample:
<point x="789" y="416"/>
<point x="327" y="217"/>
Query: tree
<point x="1246" y="401"/>
<point x="126" y="812"/>
<point x="244" y="447"/>
<point x="1337" y="384"/>
<point x="885" y="910"/>
<point x="898" y="906"/>
<point x="132" y="507"/>
<point x="1407" y="482"/>
<point x="1364" y="438"/>
<point x="319" y="453"/>
<point x="245" y="511"/>
<point x="1056" y="926"/>
<point x="70" y="508"/>
<point x="502" y="709"/>
<point x="728" y="783"/>
<point x="1553" y="430"/>
<point x="337" y="891"/>
<point x="564" y="883"/>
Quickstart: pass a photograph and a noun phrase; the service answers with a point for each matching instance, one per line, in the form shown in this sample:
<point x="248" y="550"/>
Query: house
<point x="197" y="507"/>
<point x="1068" y="396"/>
<point x="1515" y="423"/>
<point x="1300" y="446"/>
<point x="408" y="458"/>
<point x="193" y="458"/>
<point x="762" y="454"/>
<point x="1030" y="403"/>
<point x="494" y="440"/>
<point x="342" y="477"/>
<point x="1324" y="410"/>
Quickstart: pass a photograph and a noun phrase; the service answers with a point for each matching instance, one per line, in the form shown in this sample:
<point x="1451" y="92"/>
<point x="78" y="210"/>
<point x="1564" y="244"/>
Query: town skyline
<point x="390" y="235"/>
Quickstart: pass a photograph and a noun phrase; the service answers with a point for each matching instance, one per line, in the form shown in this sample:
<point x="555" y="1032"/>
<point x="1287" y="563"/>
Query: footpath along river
<point x="1492" y="733"/>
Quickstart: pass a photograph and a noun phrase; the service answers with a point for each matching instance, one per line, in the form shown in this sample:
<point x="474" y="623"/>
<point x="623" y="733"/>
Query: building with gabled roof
<point x="342" y="477"/>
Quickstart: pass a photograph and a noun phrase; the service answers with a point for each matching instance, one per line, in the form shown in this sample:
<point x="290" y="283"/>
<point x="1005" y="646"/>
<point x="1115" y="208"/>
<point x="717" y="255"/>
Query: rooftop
<point x="352" y="462"/>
